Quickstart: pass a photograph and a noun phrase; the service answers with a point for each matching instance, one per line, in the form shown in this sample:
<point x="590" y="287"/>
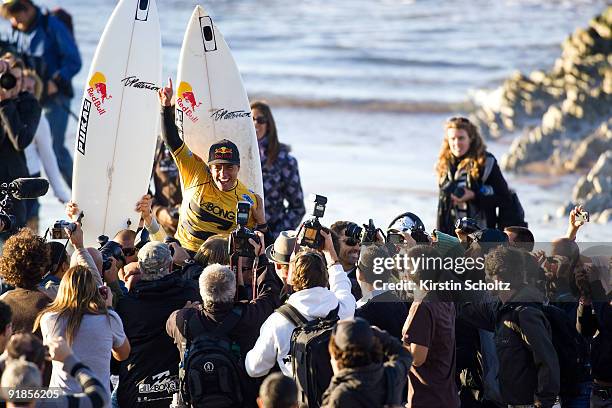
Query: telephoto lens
<point x="7" y="81"/>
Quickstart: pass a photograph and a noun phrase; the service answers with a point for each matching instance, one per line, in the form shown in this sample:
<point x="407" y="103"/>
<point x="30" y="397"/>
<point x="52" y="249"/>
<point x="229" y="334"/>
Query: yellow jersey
<point x="206" y="210"/>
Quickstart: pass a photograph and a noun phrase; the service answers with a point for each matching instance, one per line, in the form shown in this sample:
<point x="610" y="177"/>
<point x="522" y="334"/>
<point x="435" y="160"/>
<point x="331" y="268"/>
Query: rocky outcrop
<point x="595" y="189"/>
<point x="564" y="116"/>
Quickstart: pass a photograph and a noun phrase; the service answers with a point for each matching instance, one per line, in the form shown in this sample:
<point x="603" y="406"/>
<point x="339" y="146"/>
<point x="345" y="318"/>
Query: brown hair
<point x="213" y="251"/>
<point x="8" y="10"/>
<point x="25" y="259"/>
<point x="309" y="270"/>
<point x="77" y="296"/>
<point x="271" y="133"/>
<point x="524" y="237"/>
<point x="353" y="356"/>
<point x="476" y="156"/>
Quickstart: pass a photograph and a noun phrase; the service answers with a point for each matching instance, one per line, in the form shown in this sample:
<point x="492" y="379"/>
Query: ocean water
<point x="360" y="88"/>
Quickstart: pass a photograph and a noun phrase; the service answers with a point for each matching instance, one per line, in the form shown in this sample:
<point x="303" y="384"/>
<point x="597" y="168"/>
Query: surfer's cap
<point x="224" y="152"/>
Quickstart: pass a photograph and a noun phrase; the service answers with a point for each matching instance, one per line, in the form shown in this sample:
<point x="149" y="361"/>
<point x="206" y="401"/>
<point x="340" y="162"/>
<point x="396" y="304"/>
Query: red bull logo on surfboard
<point x="186" y="100"/>
<point x="98" y="91"/>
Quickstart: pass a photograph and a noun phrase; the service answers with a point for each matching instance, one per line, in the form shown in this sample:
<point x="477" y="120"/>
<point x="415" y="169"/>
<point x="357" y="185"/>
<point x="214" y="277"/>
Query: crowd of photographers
<point x="349" y="315"/>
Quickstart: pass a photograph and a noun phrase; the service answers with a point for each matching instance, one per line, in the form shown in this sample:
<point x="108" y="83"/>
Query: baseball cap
<point x="224" y="152"/>
<point x="154" y="260"/>
<point x="406" y="222"/>
<point x="354" y="332"/>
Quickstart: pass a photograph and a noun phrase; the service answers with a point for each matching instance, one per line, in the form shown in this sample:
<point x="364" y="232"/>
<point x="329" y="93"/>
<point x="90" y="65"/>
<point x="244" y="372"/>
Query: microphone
<point x="28" y="188"/>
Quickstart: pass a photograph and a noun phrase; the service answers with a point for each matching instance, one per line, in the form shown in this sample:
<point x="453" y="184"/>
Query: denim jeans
<point x="56" y="111"/>
<point x="582" y="400"/>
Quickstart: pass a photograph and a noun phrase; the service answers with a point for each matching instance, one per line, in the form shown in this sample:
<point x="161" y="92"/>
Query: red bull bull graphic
<point x="186" y="100"/>
<point x="223" y="153"/>
<point x="98" y="91"/>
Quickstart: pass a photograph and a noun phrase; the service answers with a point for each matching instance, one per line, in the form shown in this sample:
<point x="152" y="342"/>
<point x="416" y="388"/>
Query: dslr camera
<point x="467" y="225"/>
<point x="365" y="235"/>
<point x="58" y="231"/>
<point x="110" y="249"/>
<point x="239" y="239"/>
<point x="311" y="229"/>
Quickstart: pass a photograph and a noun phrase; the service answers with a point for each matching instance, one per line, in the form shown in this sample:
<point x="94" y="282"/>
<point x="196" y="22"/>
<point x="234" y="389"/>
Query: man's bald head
<point x="125" y="238"/>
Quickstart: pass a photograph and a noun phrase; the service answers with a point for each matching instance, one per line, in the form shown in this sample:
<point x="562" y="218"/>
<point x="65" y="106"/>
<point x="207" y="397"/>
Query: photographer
<point x="347" y="249"/>
<point x="370" y="367"/>
<point x="25" y="374"/>
<point x="236" y="322"/>
<point x="144" y="311"/>
<point x="470" y="181"/>
<point x="23" y="263"/>
<point x="310" y="274"/>
<point x="211" y="189"/>
<point x="19" y="116"/>
<point x="50" y="47"/>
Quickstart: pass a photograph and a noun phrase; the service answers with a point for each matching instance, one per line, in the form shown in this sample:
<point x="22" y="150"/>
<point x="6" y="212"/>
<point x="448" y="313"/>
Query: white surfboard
<point x="119" y="118"/>
<point x="211" y="102"/>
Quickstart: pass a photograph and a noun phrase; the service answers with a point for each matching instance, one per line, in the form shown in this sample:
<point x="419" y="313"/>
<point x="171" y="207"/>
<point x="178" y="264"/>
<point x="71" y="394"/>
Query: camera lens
<point x="8" y="81"/>
<point x="353" y="231"/>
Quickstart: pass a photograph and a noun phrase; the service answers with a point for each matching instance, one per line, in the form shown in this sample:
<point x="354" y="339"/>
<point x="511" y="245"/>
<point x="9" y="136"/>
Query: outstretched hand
<point x="165" y="94"/>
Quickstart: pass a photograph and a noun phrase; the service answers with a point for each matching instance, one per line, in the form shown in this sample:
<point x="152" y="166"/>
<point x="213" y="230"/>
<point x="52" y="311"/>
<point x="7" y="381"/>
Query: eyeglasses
<point x="129" y="251"/>
<point x="260" y="120"/>
<point x="351" y="241"/>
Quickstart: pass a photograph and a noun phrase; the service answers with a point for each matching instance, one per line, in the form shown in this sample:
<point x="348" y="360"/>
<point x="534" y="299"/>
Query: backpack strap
<point x="292" y="314"/>
<point x="488" y="168"/>
<point x="333" y="314"/>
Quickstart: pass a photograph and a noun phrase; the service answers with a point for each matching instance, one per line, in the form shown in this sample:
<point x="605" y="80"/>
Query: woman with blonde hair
<point x="80" y="313"/>
<point x="470" y="181"/>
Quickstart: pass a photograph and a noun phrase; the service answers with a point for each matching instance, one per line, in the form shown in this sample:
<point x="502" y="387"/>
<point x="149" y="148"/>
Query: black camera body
<point x="239" y="239"/>
<point x="311" y="229"/>
<point x="467" y="225"/>
<point x="365" y="235"/>
<point x="58" y="231"/>
<point x="110" y="249"/>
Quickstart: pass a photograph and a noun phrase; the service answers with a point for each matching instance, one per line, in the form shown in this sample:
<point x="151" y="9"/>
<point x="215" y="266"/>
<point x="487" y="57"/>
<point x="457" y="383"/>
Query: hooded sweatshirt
<point x="273" y="343"/>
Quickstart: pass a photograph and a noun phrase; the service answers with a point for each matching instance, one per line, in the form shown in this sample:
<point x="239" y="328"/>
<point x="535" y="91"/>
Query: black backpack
<point x="510" y="213"/>
<point x="62" y="15"/>
<point x="211" y="370"/>
<point x="309" y="353"/>
<point x="571" y="347"/>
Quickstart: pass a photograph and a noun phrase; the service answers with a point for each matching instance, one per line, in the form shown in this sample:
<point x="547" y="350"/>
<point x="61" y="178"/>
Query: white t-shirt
<point x="92" y="345"/>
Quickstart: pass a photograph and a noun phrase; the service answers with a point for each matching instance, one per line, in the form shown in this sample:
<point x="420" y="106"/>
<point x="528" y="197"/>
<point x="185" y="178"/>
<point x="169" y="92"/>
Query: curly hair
<point x="309" y="270"/>
<point x="25" y="259"/>
<point x="353" y="356"/>
<point x="476" y="155"/>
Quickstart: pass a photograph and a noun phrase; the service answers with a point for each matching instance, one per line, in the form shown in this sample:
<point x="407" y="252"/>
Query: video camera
<point x="110" y="249"/>
<point x="365" y="235"/>
<point x="311" y="229"/>
<point x="58" y="231"/>
<point x="239" y="239"/>
<point x="20" y="189"/>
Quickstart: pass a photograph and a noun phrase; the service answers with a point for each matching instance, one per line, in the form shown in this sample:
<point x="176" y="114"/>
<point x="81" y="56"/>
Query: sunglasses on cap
<point x="261" y="120"/>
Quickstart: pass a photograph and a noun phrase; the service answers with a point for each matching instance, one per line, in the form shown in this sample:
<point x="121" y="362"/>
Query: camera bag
<point x="309" y="353"/>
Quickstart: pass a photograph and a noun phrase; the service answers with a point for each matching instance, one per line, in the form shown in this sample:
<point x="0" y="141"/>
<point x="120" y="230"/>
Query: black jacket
<point x="528" y="364"/>
<point x="375" y="385"/>
<point x="151" y="370"/>
<point x="246" y="332"/>
<point x="482" y="206"/>
<point x="19" y="120"/>
<point x="385" y="311"/>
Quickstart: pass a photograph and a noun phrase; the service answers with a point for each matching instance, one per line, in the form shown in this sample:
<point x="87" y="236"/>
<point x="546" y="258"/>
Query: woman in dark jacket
<point x="281" y="178"/>
<point x="19" y="116"/>
<point x="471" y="183"/>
